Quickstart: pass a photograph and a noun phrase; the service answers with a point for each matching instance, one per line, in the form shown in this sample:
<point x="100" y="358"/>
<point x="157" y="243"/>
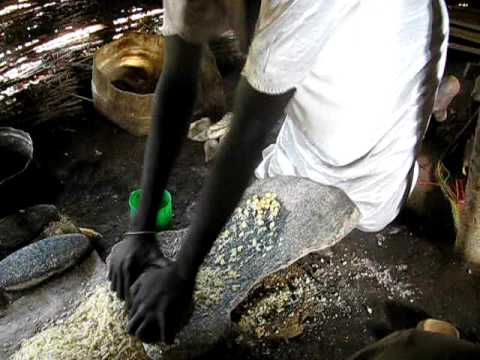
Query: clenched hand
<point x="161" y="303"/>
<point x="128" y="260"/>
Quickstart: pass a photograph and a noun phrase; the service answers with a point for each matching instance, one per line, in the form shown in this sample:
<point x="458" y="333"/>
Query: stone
<point x="16" y="151"/>
<point x="23" y="226"/>
<point x="34" y="310"/>
<point x="311" y="217"/>
<point x="42" y="260"/>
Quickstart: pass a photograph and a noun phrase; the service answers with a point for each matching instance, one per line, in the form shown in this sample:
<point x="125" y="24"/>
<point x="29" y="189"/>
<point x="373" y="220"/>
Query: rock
<point x="16" y="151"/>
<point x="38" y="308"/>
<point x="22" y="227"/>
<point x="311" y="217"/>
<point x="40" y="261"/>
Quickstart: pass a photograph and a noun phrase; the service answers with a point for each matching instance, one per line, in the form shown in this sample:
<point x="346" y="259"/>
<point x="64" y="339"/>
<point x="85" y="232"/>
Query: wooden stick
<point x="465" y="34"/>
<point x="465" y="24"/>
<point x="468" y="237"/>
<point x="464" y="48"/>
<point x="82" y="97"/>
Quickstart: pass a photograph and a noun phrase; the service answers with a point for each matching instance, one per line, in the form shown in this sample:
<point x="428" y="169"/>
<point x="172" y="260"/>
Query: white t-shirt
<point x="366" y="74"/>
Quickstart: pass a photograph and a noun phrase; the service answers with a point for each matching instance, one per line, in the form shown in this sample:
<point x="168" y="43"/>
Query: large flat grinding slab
<point x="37" y="309"/>
<point x="278" y="222"/>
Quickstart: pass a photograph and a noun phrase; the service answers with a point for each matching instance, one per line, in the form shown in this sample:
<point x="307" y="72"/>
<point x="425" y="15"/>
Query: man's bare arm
<point x="255" y="114"/>
<point x="174" y="100"/>
<point x="162" y="294"/>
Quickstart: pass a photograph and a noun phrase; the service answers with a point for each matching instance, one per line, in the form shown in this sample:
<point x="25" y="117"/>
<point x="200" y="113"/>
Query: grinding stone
<point x="22" y="227"/>
<point x="313" y="217"/>
<point x="40" y="261"/>
<point x="40" y="307"/>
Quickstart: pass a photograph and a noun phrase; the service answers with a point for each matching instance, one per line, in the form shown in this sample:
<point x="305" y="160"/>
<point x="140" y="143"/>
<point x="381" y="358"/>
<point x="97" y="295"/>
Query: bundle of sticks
<point x="465" y="30"/>
<point x="49" y="93"/>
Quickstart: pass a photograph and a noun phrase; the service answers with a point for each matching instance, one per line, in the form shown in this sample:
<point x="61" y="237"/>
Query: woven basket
<point x="134" y="52"/>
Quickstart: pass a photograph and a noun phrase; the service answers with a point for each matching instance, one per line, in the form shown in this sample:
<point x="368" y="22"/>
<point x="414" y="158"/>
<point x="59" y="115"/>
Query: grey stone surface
<point x="312" y="218"/>
<point x="16" y="151"/>
<point x="40" y="261"/>
<point x="22" y="227"/>
<point x="35" y="310"/>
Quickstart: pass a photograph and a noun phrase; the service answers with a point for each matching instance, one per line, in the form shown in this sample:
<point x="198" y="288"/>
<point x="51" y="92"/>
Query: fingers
<point x="109" y="273"/>
<point x="115" y="276"/>
<point x="148" y="327"/>
<point x="133" y="291"/>
<point x="168" y="332"/>
<point x="161" y="325"/>
<point x="136" y="320"/>
<point x="144" y="326"/>
<point x="113" y="281"/>
<point x="137" y="303"/>
<point x="148" y="330"/>
<point x="140" y="332"/>
<point x="125" y="287"/>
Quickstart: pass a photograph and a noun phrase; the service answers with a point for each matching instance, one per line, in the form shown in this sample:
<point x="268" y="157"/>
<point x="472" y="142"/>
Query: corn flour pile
<point x="278" y="307"/>
<point x="96" y="331"/>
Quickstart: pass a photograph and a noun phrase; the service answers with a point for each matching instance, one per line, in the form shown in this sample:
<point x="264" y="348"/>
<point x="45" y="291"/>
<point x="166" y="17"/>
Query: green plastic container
<point x="164" y="215"/>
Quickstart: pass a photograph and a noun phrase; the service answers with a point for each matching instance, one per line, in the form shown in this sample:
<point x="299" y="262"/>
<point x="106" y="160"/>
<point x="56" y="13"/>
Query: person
<point x="354" y="82"/>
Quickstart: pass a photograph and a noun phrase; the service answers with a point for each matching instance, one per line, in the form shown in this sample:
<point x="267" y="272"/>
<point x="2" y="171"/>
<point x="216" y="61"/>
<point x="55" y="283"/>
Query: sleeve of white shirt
<point x="289" y="37"/>
<point x="196" y="21"/>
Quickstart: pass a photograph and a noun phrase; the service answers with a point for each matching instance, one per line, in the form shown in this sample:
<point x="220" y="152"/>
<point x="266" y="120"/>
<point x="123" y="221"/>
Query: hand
<point x="128" y="260"/>
<point x="162" y="303"/>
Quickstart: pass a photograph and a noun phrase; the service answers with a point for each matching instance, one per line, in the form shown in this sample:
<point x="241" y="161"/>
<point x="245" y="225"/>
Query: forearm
<point x="175" y="96"/>
<point x="254" y="116"/>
